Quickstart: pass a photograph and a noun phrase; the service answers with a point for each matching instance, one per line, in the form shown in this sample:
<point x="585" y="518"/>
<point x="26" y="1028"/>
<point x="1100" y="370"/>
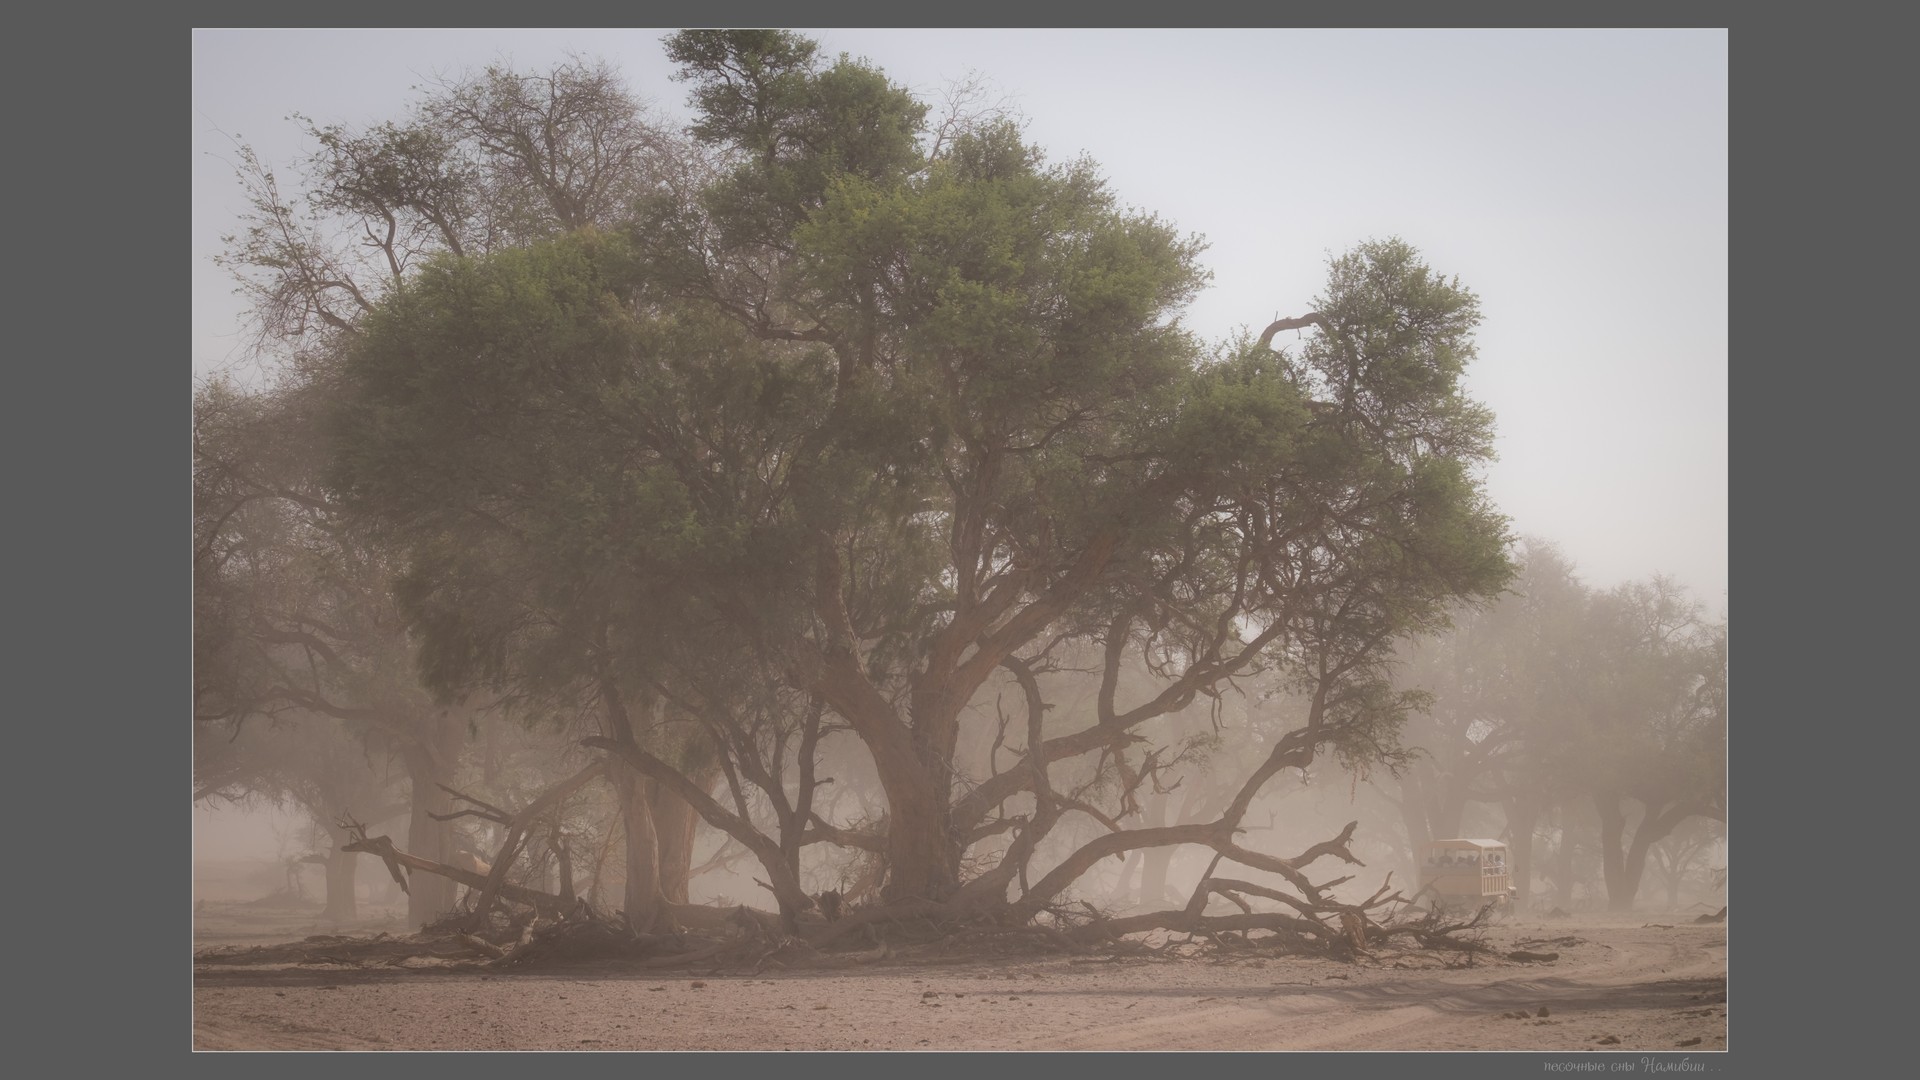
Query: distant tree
<point x="1652" y="728"/>
<point x="1498" y="683"/>
<point x="1684" y="855"/>
<point x="316" y="764"/>
<point x="481" y="163"/>
<point x="1559" y="694"/>
<point x="295" y="615"/>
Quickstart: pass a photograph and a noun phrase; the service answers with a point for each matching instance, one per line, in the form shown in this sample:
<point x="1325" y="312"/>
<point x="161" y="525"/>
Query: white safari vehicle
<point x="1466" y="875"/>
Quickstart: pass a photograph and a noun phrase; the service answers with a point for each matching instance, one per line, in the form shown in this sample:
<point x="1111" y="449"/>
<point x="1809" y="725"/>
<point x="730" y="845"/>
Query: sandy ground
<point x="1647" y="985"/>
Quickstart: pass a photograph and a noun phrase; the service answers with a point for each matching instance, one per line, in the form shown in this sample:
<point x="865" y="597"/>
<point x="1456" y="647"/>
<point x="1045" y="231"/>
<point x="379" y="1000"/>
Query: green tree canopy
<point x="887" y="421"/>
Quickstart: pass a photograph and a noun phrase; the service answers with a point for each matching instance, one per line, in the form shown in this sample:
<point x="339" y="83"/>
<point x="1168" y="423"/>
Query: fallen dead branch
<point x="1563" y="942"/>
<point x="1436" y="931"/>
<point x="495" y="883"/>
<point x="551" y="930"/>
<point x="382" y="846"/>
<point x="483" y="946"/>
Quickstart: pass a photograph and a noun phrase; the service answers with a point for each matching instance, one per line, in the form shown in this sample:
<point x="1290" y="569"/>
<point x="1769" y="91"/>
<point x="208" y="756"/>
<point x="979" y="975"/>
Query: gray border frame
<point x="119" y="481"/>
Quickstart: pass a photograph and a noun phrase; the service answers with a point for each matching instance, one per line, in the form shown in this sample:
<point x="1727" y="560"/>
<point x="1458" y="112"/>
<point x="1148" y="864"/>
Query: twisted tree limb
<point x="382" y="846"/>
<point x="495" y="881"/>
<point x="1311" y="318"/>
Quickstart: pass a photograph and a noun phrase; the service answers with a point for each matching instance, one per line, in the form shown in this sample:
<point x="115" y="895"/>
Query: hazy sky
<point x="1576" y="180"/>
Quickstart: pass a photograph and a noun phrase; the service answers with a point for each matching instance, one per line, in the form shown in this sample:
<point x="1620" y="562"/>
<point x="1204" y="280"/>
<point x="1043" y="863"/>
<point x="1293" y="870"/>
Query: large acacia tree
<point x="878" y="418"/>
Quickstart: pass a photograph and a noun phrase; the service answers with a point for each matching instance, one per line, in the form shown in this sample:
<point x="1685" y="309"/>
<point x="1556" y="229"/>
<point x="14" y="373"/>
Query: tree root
<point x="752" y="941"/>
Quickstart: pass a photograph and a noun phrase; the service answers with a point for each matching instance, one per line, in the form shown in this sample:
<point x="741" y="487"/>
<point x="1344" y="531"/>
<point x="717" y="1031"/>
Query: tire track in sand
<point x="1632" y="982"/>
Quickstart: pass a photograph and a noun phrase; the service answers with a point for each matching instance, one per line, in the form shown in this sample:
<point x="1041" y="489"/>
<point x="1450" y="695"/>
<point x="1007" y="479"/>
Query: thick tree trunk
<point x="431" y="896"/>
<point x="1657" y="822"/>
<point x="430" y="763"/>
<point x="915" y="759"/>
<point x="1125" y="892"/>
<point x="1563" y="861"/>
<point x="1153" y="876"/>
<point x="563" y="867"/>
<point x="1449" y="807"/>
<point x="674" y="822"/>
<point x="1626" y="861"/>
<point x="642" y="900"/>
<point x="342" y="904"/>
<point x="1155" y="861"/>
<point x="1633" y="870"/>
<point x="1418" y="835"/>
<point x="921" y="861"/>
<point x="1622" y="883"/>
<point x="1523" y="813"/>
<point x="786" y="887"/>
